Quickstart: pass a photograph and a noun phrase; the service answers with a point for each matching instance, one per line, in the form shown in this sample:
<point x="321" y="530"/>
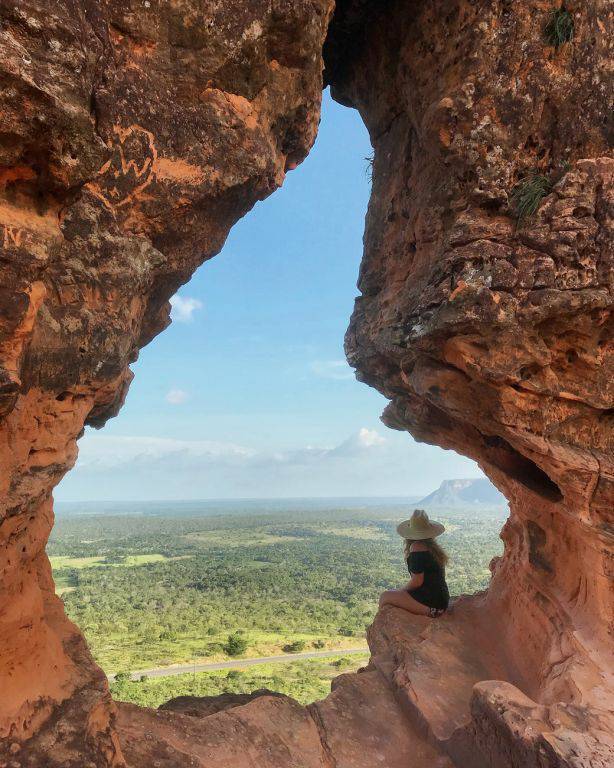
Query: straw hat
<point x="419" y="527"/>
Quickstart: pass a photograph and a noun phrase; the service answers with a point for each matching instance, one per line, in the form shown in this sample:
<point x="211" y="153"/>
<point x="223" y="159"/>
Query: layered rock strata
<point x="132" y="136"/>
<point x="491" y="333"/>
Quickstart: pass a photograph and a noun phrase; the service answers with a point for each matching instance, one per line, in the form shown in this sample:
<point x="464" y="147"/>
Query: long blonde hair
<point x="433" y="547"/>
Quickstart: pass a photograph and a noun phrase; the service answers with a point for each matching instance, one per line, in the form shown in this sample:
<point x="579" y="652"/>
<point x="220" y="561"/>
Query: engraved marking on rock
<point x="129" y="170"/>
<point x="12" y="237"/>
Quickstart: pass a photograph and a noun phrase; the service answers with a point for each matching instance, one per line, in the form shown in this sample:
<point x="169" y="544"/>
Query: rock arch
<point x="135" y="134"/>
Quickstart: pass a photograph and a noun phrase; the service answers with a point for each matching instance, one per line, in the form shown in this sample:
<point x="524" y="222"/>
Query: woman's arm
<point x="417" y="580"/>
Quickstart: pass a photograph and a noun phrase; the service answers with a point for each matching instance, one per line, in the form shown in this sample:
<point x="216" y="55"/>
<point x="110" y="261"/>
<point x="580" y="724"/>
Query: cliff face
<point x="133" y="135"/>
<point x="492" y="332"/>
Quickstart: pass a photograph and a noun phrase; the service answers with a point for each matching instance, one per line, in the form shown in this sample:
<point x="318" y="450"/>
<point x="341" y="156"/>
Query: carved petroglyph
<point x="12" y="237"/>
<point x="134" y="164"/>
<point x="34" y="239"/>
<point x="129" y="170"/>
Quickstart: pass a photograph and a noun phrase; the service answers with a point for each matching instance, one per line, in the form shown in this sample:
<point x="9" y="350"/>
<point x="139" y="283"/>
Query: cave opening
<point x="268" y="316"/>
<point x="164" y="127"/>
<point x="521" y="469"/>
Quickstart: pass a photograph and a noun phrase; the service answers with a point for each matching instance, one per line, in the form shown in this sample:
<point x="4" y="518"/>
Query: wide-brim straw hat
<point x="419" y="527"/>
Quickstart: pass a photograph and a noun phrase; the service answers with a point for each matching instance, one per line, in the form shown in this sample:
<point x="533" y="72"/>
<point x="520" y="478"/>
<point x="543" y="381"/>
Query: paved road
<point x="183" y="668"/>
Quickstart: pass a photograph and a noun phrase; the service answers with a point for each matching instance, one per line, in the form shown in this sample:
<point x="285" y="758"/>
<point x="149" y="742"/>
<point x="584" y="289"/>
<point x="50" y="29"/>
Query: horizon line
<point x="237" y="498"/>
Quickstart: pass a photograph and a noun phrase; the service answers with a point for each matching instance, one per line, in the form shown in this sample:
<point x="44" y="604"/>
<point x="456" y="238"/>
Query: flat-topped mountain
<point x="460" y="493"/>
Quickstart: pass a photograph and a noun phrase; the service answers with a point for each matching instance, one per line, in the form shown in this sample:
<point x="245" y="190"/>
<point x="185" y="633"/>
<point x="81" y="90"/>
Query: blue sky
<point x="248" y="394"/>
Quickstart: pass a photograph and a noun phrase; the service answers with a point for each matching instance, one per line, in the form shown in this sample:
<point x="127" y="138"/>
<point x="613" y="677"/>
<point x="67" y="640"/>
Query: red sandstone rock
<point x="461" y="686"/>
<point x="270" y="732"/>
<point x="360" y="723"/>
<point x="132" y="136"/>
<point x="494" y="337"/>
<point x="203" y="706"/>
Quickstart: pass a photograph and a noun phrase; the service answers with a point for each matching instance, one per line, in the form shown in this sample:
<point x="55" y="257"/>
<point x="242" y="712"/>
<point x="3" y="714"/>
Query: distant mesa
<point x="460" y="493"/>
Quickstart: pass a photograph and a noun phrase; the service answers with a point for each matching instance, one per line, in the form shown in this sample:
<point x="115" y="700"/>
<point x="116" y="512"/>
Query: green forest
<point x="305" y="680"/>
<point x="153" y="590"/>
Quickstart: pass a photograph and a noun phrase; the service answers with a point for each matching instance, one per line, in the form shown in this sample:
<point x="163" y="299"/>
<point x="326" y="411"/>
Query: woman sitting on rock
<point x="426" y="593"/>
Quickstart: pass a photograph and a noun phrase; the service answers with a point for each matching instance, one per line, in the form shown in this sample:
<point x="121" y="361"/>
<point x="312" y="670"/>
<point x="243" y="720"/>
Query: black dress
<point x="434" y="590"/>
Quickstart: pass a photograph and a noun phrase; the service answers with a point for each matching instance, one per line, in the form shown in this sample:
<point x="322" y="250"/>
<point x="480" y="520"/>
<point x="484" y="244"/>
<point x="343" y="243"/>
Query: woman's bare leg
<point x="403" y="599"/>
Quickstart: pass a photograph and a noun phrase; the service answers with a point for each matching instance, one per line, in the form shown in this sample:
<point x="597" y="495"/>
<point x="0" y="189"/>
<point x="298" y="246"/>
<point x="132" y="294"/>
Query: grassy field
<point x="60" y="562"/>
<point x="113" y="656"/>
<point x="154" y="590"/>
<point x="63" y="567"/>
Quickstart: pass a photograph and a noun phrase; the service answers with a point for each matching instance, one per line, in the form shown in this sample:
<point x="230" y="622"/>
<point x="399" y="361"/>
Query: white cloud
<point x="337" y="370"/>
<point x="183" y="307"/>
<point x="365" y="464"/>
<point x="361" y="442"/>
<point x="98" y="451"/>
<point x="102" y="452"/>
<point x="370" y="437"/>
<point x="176" y="396"/>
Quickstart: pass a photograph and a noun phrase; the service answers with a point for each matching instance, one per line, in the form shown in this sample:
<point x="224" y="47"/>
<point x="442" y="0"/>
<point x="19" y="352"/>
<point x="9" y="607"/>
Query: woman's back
<point x="433" y="590"/>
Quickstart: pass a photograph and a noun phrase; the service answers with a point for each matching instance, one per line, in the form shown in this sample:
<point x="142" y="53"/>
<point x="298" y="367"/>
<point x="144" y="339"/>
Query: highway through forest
<point x="182" y="669"/>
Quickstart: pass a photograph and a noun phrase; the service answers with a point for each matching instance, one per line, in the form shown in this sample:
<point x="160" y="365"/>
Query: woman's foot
<point x="435" y="613"/>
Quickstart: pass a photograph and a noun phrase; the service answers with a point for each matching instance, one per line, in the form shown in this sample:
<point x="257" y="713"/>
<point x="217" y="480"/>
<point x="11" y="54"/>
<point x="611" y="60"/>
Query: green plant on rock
<point x="560" y="28"/>
<point x="370" y="159"/>
<point x="528" y="194"/>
